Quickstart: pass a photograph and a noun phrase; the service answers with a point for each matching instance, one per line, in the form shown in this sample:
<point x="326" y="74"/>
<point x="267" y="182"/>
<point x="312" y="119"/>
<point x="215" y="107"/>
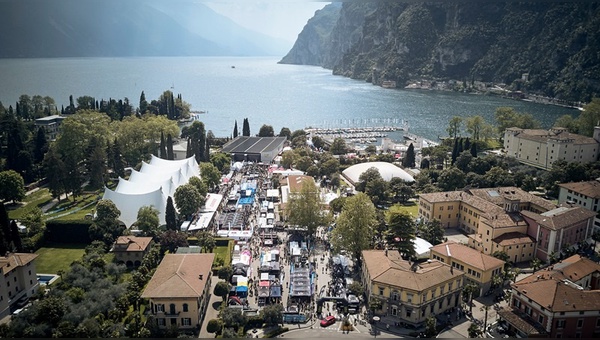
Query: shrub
<point x="276" y="332"/>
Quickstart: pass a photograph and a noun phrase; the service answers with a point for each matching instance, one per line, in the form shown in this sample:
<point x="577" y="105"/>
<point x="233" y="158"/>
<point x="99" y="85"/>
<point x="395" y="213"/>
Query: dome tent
<point x="386" y="170"/>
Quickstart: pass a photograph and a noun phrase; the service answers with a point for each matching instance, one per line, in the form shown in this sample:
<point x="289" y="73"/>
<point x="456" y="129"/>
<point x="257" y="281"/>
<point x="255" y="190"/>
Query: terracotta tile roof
<point x="12" y="261"/>
<point x="133" y="243"/>
<point x="392" y="270"/>
<point x="545" y="136"/>
<point x="552" y="288"/>
<point x="590" y="189"/>
<point x="513" y="238"/>
<point x="497" y="196"/>
<point x="178" y="276"/>
<point x="468" y="255"/>
<point x="560" y="217"/>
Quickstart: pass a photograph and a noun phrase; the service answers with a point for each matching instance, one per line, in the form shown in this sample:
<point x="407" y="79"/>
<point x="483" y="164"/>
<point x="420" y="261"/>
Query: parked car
<point x="330" y="320"/>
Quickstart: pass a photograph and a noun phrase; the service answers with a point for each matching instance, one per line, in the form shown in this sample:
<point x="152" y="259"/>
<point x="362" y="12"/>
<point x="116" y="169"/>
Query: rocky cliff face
<point x="556" y="44"/>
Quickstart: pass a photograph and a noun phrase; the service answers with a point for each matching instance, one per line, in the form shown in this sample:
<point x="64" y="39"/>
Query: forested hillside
<point x="557" y="44"/>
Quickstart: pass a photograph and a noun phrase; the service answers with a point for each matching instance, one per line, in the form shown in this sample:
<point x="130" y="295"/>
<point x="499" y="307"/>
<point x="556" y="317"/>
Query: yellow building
<point x="179" y="290"/>
<point x="479" y="268"/>
<point x="486" y="215"/>
<point x="130" y="250"/>
<point x="18" y="281"/>
<point x="409" y="292"/>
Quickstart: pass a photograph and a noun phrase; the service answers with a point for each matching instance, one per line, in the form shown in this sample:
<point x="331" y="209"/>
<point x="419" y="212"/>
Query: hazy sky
<point x="277" y="18"/>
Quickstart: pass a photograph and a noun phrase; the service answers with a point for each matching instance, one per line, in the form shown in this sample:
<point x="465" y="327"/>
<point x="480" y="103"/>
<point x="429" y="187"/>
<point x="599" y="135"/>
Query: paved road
<point x="212" y="310"/>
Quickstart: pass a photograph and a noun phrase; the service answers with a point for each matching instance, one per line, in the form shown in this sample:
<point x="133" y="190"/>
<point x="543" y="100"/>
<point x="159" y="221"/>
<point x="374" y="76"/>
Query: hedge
<point x="76" y="231"/>
<point x="276" y="332"/>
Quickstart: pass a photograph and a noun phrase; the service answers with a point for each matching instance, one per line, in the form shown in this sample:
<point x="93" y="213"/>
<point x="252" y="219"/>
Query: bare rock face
<point x="555" y="43"/>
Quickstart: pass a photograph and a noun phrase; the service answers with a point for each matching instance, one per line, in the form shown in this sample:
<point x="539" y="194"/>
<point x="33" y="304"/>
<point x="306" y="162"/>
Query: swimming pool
<point x="46" y="279"/>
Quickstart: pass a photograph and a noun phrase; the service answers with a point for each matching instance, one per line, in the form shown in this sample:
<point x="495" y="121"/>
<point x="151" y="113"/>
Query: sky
<point x="277" y="18"/>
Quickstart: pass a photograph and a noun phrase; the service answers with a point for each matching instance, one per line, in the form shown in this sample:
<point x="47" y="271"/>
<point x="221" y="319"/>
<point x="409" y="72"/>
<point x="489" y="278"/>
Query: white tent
<point x="151" y="186"/>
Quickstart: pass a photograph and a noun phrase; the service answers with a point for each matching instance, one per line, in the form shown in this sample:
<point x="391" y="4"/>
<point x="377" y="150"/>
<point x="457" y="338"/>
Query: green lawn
<point x="411" y="207"/>
<point x="55" y="257"/>
<point x="37" y="199"/>
<point x="224" y="253"/>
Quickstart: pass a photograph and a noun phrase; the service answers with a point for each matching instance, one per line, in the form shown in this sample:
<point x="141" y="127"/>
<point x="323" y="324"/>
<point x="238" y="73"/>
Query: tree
<point x="147" y="221"/>
<point x="222" y="290"/>
<point x="535" y="264"/>
<point x="337" y="204"/>
<point x="272" y="314"/>
<point x="199" y="184"/>
<point x="197" y="140"/>
<point x="568" y="122"/>
<point x="232" y="317"/>
<point x="454" y="127"/>
<point x="106" y="226"/>
<point x="210" y="175"/>
<point x="171" y="240"/>
<point x="221" y="160"/>
<point x="225" y="272"/>
<point x="432" y="231"/>
<point x="285" y="132"/>
<point x="96" y="163"/>
<point x="162" y="149"/>
<point x="143" y="103"/>
<point x="170" y="153"/>
<point x="170" y="215"/>
<point x="56" y="173"/>
<point x="214" y="326"/>
<point x="12" y="186"/>
<point x="354" y="227"/>
<point x="400" y="190"/>
<point x="475" y="125"/>
<point x="266" y="131"/>
<point x="474" y="331"/>
<point x="15" y="236"/>
<point x="501" y="255"/>
<point x="356" y="288"/>
<point x="431" y="327"/>
<point x="401" y="231"/>
<point x="288" y="158"/>
<point x="4" y="230"/>
<point x="304" y="208"/>
<point x="188" y="200"/>
<point x="41" y="145"/>
<point x="409" y="158"/>
<point x="451" y="179"/>
<point x="589" y="117"/>
<point x="235" y="130"/>
<point x="338" y="146"/>
<point x="246" y="128"/>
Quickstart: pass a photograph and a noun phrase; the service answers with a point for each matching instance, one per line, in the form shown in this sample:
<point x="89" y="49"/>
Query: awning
<point x="263" y="292"/>
<point x="275" y="291"/>
<point x="264" y="276"/>
<point x="264" y="284"/>
<point x="241" y="289"/>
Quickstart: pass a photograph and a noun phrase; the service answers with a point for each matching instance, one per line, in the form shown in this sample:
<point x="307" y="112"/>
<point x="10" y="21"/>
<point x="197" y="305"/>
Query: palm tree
<point x="536" y="264"/>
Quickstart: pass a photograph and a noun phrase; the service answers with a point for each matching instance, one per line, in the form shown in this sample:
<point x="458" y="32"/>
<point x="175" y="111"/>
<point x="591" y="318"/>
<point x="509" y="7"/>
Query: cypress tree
<point x="118" y="166"/>
<point x="41" y="145"/>
<point x="162" y="148"/>
<point x="409" y="157"/>
<point x="170" y="216"/>
<point x="4" y="230"/>
<point x="235" y="130"/>
<point x="246" y="128"/>
<point x="170" y="154"/>
<point x="460" y="147"/>
<point x="17" y="244"/>
<point x="474" y="149"/>
<point x="188" y="152"/>
<point x="143" y="103"/>
<point x="467" y="144"/>
<point x="455" y="151"/>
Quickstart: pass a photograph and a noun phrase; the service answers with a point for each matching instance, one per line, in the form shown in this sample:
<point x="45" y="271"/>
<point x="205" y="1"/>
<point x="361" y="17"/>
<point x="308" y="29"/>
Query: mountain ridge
<point x="548" y="48"/>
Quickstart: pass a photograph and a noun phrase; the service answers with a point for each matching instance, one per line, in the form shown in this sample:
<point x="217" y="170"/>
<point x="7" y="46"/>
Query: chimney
<point x="200" y="276"/>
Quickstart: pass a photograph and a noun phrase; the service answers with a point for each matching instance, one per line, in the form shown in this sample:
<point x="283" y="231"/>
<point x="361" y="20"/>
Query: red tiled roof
<point x="468" y="255"/>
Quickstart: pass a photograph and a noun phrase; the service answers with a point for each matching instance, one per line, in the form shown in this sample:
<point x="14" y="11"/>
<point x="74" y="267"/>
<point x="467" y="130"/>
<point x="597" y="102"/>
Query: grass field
<point x="36" y="199"/>
<point x="411" y="208"/>
<point x="55" y="257"/>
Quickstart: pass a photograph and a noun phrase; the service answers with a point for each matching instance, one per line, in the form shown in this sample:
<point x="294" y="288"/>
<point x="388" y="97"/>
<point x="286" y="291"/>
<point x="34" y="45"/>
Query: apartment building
<point x="561" y="301"/>
<point x="583" y="194"/>
<point x="478" y="267"/>
<point x="51" y="125"/>
<point x="179" y="290"/>
<point x="410" y="292"/>
<point x="541" y="148"/>
<point x="18" y="280"/>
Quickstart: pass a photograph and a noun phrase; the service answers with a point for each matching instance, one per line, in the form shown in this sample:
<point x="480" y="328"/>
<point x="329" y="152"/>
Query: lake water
<point x="255" y="88"/>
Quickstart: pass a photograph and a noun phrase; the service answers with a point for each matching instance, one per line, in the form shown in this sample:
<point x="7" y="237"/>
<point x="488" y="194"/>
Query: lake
<point x="234" y="88"/>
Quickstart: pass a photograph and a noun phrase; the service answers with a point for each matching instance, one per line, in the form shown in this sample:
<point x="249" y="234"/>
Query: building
<point x="18" y="281"/>
<point x="410" y="292"/>
<point x="130" y="250"/>
<point x="293" y="184"/>
<point x="386" y="170"/>
<point x="478" y="267"/>
<point x="179" y="290"/>
<point x="492" y="217"/>
<point x="559" y="228"/>
<point x="51" y="125"/>
<point x="254" y="149"/>
<point x="561" y="301"/>
<point x="583" y="194"/>
<point x="541" y="148"/>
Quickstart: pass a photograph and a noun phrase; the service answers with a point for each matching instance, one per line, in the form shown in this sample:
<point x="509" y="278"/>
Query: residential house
<point x="18" y="280"/>
<point x="478" y="267"/>
<point x="410" y="292"/>
<point x="541" y="148"/>
<point x="561" y="301"/>
<point x="179" y="290"/>
<point x="559" y="228"/>
<point x="583" y="194"/>
<point x="130" y="250"/>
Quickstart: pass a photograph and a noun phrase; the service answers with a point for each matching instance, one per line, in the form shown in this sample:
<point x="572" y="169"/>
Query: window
<point x="161" y="322"/>
<point x="579" y="323"/>
<point x="560" y="323"/>
<point x="160" y="308"/>
<point x="394" y="310"/>
<point x="441" y="290"/>
<point x="598" y="322"/>
<point x="409" y="298"/>
<point x="185" y="307"/>
<point x="380" y="291"/>
<point x="541" y="319"/>
<point x="450" y="286"/>
<point x="186" y="322"/>
<point x="408" y="313"/>
<point x="172" y="309"/>
<point x="528" y="310"/>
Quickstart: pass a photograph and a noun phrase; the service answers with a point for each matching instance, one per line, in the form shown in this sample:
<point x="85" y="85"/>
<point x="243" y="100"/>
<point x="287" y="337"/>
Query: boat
<point x="388" y="84"/>
<point x="232" y="66"/>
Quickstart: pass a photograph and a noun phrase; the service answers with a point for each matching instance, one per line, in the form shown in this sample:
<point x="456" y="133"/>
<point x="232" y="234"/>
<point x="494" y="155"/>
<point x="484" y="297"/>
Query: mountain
<point x="555" y="43"/>
<point x="113" y="28"/>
